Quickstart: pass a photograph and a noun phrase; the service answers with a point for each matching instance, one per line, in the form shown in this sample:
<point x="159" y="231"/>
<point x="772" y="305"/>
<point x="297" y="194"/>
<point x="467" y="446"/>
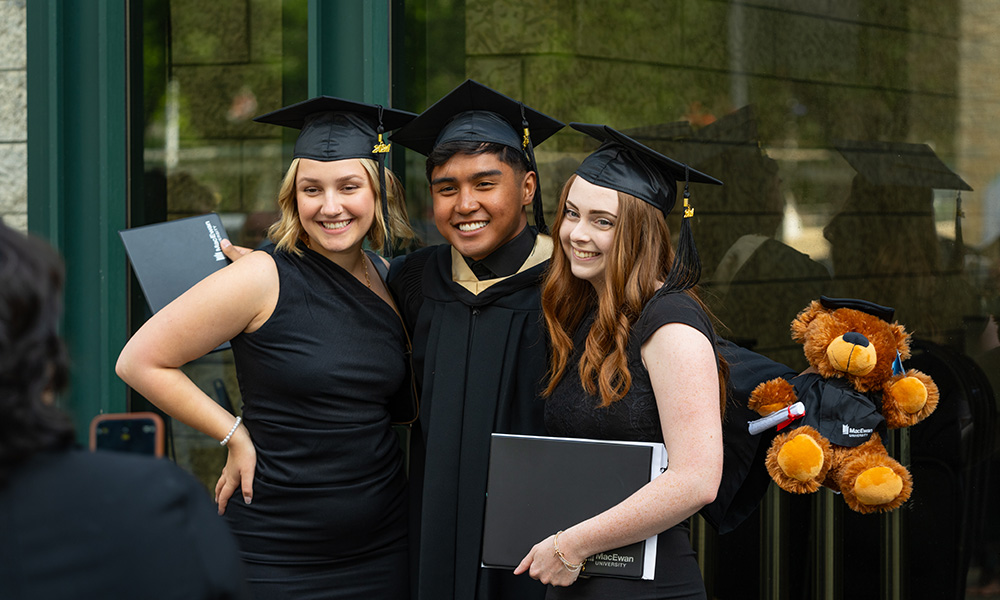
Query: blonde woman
<point x="321" y="358"/>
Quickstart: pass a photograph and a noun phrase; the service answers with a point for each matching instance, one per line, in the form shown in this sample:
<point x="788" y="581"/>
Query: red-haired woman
<point x="632" y="358"/>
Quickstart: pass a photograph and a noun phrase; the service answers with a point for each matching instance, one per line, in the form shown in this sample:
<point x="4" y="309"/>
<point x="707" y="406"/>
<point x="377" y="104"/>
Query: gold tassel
<point x="688" y="209"/>
<point x="381" y="147"/>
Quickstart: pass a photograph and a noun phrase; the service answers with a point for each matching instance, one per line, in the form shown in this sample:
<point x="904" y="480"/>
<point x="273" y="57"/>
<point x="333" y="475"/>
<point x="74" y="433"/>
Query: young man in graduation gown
<point x="473" y="308"/>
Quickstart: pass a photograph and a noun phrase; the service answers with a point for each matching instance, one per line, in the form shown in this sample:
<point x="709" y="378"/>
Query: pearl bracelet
<point x="572" y="568"/>
<point x="225" y="440"/>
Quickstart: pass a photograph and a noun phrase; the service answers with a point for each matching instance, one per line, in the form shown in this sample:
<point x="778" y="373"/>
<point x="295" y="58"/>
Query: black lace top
<point x="571" y="412"/>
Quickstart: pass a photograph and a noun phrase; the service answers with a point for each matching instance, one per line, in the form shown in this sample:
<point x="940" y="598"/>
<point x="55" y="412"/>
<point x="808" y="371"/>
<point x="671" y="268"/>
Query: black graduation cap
<point x="476" y="113"/>
<point x="336" y="129"/>
<point x="899" y="163"/>
<point x="625" y="165"/>
<point x="910" y="165"/>
<point x="885" y="313"/>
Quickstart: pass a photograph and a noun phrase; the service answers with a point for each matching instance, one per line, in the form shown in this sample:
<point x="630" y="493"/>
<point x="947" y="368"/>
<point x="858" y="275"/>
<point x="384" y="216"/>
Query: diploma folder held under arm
<point x="169" y="258"/>
<point x="539" y="485"/>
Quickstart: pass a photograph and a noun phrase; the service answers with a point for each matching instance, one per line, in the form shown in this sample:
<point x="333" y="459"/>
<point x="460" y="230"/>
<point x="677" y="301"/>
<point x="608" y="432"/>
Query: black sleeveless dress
<point x="328" y="517"/>
<point x="571" y="412"/>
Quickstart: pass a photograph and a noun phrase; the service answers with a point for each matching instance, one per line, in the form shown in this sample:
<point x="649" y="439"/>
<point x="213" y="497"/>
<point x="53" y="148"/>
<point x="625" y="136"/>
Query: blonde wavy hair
<point x="287" y="231"/>
<point x="639" y="261"/>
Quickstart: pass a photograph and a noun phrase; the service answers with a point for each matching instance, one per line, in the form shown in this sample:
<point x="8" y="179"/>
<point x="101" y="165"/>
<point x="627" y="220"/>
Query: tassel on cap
<point x="529" y="152"/>
<point x="686" y="268"/>
<point x="382" y="150"/>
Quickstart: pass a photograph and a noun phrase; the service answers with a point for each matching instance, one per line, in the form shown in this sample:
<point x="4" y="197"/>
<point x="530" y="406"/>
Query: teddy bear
<point x="854" y="390"/>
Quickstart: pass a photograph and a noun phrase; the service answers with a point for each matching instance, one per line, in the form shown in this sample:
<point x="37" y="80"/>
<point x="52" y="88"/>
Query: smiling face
<point x="336" y="205"/>
<point x="587" y="231"/>
<point x="479" y="202"/>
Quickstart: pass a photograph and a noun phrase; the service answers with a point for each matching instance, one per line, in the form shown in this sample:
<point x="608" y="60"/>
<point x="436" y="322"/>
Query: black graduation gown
<point x="744" y="478"/>
<point x="837" y="411"/>
<point x="480" y="360"/>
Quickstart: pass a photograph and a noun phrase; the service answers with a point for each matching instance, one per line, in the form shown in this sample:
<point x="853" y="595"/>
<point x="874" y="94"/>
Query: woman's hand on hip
<point x="239" y="470"/>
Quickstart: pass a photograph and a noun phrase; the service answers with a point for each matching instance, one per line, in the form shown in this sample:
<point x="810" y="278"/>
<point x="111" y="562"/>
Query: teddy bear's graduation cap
<point x="337" y="129"/>
<point x="625" y="165"/>
<point x="886" y="313"/>
<point x="476" y="113"/>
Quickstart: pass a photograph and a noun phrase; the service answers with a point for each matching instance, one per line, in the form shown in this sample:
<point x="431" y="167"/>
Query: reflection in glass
<point x="761" y="95"/>
<point x="207" y="70"/>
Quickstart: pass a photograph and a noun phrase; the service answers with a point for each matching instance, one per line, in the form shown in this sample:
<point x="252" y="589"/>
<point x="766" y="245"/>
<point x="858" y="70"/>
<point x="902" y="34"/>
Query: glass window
<point x="858" y="143"/>
<point x="208" y="68"/>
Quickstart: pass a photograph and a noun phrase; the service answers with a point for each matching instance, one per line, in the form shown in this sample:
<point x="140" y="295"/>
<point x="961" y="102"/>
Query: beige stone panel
<point x="13" y="178"/>
<point x="13" y="106"/>
<point x="13" y="35"/>
<point x="978" y="110"/>
<point x="18" y="221"/>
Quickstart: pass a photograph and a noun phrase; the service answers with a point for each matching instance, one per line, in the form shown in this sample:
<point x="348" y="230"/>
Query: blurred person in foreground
<point x="76" y="524"/>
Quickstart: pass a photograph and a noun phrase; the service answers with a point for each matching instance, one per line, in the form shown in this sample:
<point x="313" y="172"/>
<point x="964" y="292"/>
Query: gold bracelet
<point x="569" y="566"/>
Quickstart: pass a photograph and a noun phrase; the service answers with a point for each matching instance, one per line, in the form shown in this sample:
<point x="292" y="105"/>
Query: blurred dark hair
<point x="507" y="155"/>
<point x="33" y="362"/>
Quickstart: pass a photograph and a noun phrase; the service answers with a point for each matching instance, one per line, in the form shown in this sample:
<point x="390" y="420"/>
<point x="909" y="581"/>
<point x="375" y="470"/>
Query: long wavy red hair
<point x="639" y="261"/>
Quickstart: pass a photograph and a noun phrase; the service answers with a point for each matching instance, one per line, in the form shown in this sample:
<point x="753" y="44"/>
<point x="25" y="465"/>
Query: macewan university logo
<point x="856" y="432"/>
<point x="613" y="559"/>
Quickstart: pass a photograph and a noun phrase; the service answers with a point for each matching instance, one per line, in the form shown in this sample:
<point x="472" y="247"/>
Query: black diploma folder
<point x="540" y="485"/>
<point x="169" y="258"/>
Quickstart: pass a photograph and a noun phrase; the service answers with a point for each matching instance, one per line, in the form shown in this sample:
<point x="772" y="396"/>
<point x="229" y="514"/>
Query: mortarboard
<point x="337" y="129"/>
<point x="885" y="313"/>
<point x="476" y="113"/>
<point x="907" y="165"/>
<point x="898" y="163"/>
<point x="625" y="165"/>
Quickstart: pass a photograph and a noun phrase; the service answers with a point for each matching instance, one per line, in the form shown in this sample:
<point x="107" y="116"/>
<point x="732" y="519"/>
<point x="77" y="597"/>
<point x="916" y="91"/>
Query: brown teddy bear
<point x="854" y="390"/>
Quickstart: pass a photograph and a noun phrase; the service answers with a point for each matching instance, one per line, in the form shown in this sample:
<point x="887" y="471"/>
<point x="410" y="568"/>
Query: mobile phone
<point x="137" y="432"/>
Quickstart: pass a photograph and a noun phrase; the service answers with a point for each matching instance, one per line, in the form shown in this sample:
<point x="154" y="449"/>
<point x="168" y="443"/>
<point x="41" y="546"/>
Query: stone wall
<point x="13" y="115"/>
